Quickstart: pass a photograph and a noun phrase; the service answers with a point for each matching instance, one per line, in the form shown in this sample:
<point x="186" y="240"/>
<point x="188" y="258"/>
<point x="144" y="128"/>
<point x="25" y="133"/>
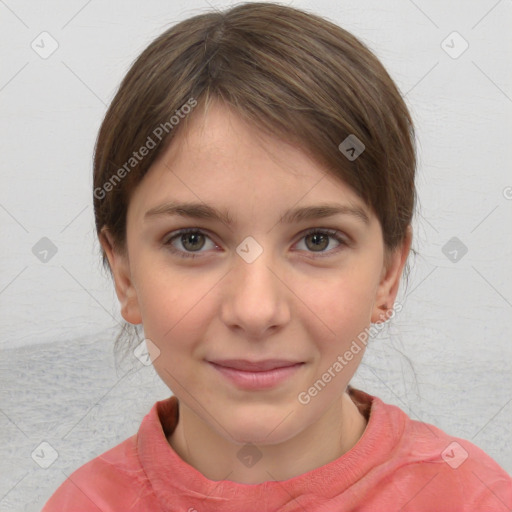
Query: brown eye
<point x="192" y="241"/>
<point x="318" y="241"/>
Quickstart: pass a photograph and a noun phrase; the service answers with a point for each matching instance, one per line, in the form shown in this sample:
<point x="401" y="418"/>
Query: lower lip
<point x="257" y="380"/>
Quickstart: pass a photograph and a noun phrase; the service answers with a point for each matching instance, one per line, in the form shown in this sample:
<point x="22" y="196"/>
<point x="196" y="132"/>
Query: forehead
<point x="222" y="160"/>
<point x="220" y="137"/>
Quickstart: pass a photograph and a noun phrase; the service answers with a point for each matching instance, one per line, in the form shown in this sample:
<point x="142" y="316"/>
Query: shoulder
<point x="451" y="471"/>
<point x="112" y="481"/>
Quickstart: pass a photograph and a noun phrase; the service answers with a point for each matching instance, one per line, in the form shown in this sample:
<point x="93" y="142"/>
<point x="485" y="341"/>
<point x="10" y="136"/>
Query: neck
<point x="217" y="458"/>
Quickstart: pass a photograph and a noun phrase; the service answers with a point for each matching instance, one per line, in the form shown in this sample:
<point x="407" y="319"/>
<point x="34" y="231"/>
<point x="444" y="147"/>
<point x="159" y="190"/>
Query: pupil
<point x="194" y="238"/>
<point x="318" y="238"/>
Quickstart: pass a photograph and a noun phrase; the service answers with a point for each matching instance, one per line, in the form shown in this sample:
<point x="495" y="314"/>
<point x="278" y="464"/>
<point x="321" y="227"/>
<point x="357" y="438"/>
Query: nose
<point x="255" y="298"/>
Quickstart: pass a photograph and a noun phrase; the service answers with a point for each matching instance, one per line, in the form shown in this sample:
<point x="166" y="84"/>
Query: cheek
<point x="174" y="306"/>
<point x="170" y="310"/>
<point x="340" y="307"/>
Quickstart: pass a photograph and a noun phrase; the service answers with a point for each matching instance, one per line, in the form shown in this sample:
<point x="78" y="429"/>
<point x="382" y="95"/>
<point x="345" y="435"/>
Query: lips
<point x="256" y="376"/>
<point x="255" y="366"/>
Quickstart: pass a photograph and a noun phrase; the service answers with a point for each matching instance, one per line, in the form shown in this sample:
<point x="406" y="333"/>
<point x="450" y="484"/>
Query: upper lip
<point x="255" y="366"/>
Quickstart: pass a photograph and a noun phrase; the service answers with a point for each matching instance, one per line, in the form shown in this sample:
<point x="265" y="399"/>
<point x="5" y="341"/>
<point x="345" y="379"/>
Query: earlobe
<point x="390" y="281"/>
<point x="120" y="267"/>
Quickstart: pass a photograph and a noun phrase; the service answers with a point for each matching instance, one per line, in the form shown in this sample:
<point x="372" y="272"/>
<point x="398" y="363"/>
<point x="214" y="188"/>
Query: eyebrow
<point x="204" y="211"/>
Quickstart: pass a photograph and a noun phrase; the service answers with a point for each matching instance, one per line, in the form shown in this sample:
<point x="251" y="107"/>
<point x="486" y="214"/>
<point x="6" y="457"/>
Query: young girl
<point x="253" y="194"/>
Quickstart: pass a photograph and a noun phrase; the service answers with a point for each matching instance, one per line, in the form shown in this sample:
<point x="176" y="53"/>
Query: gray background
<point x="60" y="383"/>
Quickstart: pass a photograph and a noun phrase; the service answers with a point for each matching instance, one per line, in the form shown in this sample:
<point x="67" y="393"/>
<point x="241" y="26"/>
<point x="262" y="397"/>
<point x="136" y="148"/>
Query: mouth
<point x="256" y="375"/>
<point x="255" y="366"/>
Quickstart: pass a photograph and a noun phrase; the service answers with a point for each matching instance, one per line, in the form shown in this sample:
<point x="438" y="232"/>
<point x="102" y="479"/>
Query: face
<point x="267" y="285"/>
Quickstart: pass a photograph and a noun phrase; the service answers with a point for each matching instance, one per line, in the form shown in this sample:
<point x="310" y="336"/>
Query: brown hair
<point x="293" y="74"/>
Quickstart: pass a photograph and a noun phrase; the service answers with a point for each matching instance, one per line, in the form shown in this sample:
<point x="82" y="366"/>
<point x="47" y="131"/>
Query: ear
<point x="390" y="280"/>
<point x="125" y="290"/>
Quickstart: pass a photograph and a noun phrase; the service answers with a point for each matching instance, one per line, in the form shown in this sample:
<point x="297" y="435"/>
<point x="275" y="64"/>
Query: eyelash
<point x="183" y="254"/>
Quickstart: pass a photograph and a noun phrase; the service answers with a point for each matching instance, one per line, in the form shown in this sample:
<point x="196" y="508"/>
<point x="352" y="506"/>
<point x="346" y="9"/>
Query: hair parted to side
<point x="291" y="73"/>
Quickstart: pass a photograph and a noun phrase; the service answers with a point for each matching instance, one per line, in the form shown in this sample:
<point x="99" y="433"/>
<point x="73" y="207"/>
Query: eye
<point x="192" y="240"/>
<point x="317" y="238"/>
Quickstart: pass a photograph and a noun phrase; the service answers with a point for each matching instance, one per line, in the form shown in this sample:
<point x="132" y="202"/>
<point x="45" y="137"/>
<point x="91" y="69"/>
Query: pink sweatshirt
<point x="397" y="465"/>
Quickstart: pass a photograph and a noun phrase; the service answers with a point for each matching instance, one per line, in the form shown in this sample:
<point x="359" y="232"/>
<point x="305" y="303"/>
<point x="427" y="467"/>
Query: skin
<point x="294" y="301"/>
